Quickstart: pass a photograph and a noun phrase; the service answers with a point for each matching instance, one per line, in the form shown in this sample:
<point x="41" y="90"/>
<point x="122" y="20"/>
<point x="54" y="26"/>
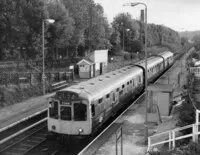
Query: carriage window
<point x="121" y="92"/>
<point x="123" y="86"/>
<point x="127" y="83"/>
<point x="93" y="109"/>
<point x="113" y="97"/>
<point x="108" y="95"/>
<point x="80" y="112"/>
<point x="53" y="109"/>
<point x="130" y="81"/>
<point x="65" y="113"/>
<point x="117" y="89"/>
<point x="100" y="100"/>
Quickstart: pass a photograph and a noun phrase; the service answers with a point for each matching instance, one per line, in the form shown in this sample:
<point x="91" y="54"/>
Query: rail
<point x="22" y="120"/>
<point x="21" y="131"/>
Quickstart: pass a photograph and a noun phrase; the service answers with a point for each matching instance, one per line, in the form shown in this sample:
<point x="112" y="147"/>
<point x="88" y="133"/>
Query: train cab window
<point x="80" y="112"/>
<point x="113" y="97"/>
<point x="93" y="109"/>
<point x="100" y="100"/>
<point x="108" y="96"/>
<point x="65" y="113"/>
<point x="53" y="109"/>
<point x="139" y="79"/>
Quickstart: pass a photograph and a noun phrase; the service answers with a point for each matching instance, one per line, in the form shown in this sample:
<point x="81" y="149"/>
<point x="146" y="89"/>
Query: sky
<point x="180" y="15"/>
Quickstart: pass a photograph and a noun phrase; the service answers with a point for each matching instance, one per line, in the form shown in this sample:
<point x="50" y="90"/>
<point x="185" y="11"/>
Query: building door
<point x="91" y="71"/>
<point x="94" y="70"/>
<point x="101" y="68"/>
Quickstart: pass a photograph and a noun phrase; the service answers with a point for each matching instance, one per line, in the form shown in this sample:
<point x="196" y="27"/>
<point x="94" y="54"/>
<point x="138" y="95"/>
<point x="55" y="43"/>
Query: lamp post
<point x="51" y="21"/>
<point x="145" y="48"/>
<point x="122" y="35"/>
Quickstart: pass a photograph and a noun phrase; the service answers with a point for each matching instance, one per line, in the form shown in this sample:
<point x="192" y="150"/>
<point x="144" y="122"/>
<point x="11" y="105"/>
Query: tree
<point x="136" y="46"/>
<point x="115" y="42"/>
<point x="127" y="27"/>
<point x="60" y="33"/>
<point x="196" y="40"/>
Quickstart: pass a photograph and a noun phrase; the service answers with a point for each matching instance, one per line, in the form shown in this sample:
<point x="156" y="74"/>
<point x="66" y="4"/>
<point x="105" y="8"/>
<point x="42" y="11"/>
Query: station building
<point x="93" y="65"/>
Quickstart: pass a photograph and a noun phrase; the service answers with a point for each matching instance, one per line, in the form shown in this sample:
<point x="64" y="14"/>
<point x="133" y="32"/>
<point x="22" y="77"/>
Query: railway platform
<point x="132" y="121"/>
<point x="16" y="112"/>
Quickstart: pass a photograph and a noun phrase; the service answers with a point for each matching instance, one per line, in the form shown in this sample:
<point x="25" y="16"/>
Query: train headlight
<point x="80" y="130"/>
<point x="53" y="127"/>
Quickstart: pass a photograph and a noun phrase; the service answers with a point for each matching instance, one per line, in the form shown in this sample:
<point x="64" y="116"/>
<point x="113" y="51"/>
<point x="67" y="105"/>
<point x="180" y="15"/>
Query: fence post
<point x="194" y="133"/>
<point x="149" y="144"/>
<point x="173" y="139"/>
<point x="197" y="117"/>
<point x="170" y="146"/>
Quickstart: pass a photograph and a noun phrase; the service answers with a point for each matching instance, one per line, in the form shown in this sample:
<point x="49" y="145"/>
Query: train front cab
<point x="69" y="117"/>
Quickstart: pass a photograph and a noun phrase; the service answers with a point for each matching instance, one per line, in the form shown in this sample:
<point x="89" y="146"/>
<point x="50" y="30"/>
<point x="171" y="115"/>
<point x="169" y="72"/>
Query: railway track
<point x="25" y="142"/>
<point x="21" y="137"/>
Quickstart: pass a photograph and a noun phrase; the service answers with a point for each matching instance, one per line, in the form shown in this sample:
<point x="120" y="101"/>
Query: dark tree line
<point x="80" y="27"/>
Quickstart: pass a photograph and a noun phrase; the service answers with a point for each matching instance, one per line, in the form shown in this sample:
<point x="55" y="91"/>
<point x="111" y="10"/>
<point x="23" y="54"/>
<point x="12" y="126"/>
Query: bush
<point x="186" y="115"/>
<point x="14" y="94"/>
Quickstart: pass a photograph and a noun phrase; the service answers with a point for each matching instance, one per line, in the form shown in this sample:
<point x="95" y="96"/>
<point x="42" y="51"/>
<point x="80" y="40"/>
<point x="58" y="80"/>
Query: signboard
<point x="71" y="67"/>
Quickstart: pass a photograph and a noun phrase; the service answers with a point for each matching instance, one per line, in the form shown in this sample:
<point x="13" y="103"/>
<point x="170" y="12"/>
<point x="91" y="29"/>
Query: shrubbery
<point x="186" y="113"/>
<point x="13" y="94"/>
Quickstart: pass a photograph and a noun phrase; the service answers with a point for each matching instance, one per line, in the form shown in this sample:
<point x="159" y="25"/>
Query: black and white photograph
<point x="99" y="77"/>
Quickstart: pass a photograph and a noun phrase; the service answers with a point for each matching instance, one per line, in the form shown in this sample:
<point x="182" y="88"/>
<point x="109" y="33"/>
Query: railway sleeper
<point x="25" y="145"/>
<point x="16" y="151"/>
<point x="12" y="153"/>
<point x="38" y="138"/>
<point x="32" y="142"/>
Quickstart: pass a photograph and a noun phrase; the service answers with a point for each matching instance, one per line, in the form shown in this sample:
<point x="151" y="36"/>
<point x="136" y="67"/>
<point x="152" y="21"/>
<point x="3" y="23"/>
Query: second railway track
<point x="26" y="141"/>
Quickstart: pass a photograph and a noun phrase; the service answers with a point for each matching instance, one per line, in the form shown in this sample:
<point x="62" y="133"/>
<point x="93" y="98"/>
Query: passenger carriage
<point x="83" y="108"/>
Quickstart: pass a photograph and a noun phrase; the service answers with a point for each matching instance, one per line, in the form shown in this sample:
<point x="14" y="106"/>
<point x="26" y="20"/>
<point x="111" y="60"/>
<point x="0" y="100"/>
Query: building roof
<point x="86" y="60"/>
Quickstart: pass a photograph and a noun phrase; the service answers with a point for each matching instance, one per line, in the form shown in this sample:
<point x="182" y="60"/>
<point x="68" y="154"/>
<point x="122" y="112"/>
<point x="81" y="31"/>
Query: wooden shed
<point x="160" y="95"/>
<point x="86" y="68"/>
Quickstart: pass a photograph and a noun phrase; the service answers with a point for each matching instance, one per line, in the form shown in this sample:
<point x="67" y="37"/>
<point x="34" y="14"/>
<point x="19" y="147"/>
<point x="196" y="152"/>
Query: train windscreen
<point x="80" y="112"/>
<point x="65" y="113"/>
<point x="53" y="109"/>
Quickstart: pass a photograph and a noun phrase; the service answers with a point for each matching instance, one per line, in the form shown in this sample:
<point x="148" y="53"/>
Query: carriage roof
<point x="166" y="54"/>
<point x="105" y="83"/>
<point x="150" y="62"/>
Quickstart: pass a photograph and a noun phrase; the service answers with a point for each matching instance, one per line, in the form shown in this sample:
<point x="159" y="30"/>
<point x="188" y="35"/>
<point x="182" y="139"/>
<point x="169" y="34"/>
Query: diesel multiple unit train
<point x="81" y="109"/>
